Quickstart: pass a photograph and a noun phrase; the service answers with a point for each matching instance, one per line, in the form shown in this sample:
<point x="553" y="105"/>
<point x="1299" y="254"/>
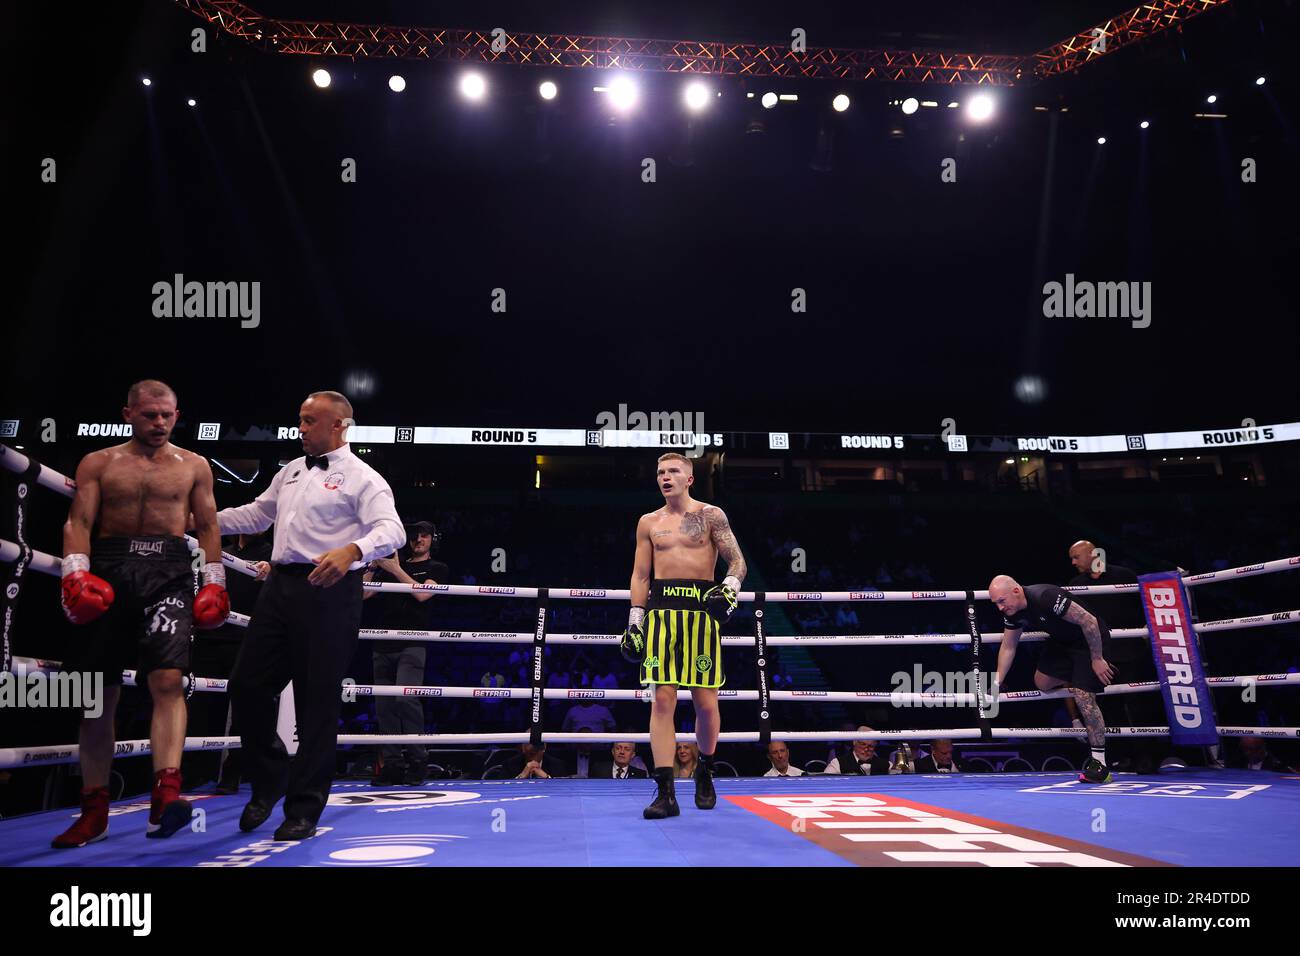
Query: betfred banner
<point x="1178" y="660"/>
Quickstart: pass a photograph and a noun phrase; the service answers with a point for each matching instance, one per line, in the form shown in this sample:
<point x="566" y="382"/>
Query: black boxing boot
<point x="1094" y="771"/>
<point x="706" y="798"/>
<point x="665" y="804"/>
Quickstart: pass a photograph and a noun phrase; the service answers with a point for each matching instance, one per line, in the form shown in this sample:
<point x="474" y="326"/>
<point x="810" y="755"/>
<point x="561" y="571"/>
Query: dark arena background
<point x="926" y="292"/>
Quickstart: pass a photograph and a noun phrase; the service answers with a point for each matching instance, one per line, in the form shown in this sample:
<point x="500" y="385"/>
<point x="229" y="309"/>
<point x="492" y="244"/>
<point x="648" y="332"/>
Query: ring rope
<point x="32" y="665"/>
<point x="48" y="564"/>
<point x="13" y="757"/>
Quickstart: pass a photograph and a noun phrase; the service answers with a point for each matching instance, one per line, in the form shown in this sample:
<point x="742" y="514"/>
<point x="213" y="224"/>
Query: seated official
<point x="1255" y="756"/>
<point x="534" y="763"/>
<point x="861" y="758"/>
<point x="940" y="759"/>
<point x="620" y="767"/>
<point x="779" y="756"/>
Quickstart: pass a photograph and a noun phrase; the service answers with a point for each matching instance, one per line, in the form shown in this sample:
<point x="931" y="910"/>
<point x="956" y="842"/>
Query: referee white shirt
<point x="319" y="509"/>
<point x="791" y="771"/>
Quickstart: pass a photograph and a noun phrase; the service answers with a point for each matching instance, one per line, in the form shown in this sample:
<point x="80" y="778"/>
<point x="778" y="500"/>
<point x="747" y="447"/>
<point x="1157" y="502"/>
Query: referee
<point x="333" y="513"/>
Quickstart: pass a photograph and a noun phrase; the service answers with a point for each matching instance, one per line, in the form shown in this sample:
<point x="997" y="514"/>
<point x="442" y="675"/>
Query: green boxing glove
<point x="720" y="601"/>
<point x="632" y="645"/>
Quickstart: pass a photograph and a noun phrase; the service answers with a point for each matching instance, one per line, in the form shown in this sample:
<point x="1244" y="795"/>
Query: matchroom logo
<point x="872" y="829"/>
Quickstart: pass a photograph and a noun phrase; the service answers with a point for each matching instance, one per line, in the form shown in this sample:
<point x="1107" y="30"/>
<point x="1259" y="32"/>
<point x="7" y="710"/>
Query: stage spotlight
<point x="1144" y="124"/>
<point x="548" y="90"/>
<point x="840" y="103"/>
<point x="361" y="382"/>
<point x="1031" y="389"/>
<point x="1101" y="140"/>
<point x="1212" y="98"/>
<point x="979" y="107"/>
<point x="147" y="82"/>
<point x="473" y="86"/>
<point x="911" y="105"/>
<point x="622" y="93"/>
<point x="697" y="96"/>
<point x="768" y="100"/>
<point x="1259" y="81"/>
<point x="396" y="83"/>
<point x="191" y="103"/>
<point x="321" y="78"/>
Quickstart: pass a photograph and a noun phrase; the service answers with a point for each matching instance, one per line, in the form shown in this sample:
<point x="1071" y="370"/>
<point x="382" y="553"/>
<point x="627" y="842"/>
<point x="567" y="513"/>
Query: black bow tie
<point x="320" y="462"/>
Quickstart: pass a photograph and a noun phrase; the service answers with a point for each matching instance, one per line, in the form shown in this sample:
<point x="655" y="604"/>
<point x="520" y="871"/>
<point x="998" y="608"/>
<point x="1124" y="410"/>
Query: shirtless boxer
<point x="674" y="628"/>
<point x="135" y="581"/>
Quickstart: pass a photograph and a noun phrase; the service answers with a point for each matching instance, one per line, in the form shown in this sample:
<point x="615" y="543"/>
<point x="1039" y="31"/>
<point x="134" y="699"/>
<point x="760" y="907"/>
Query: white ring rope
<point x="841" y="736"/>
<point x="898" y="698"/>
<point x="863" y="595"/>
<point x="792" y="640"/>
<point x="49" y="478"/>
<point x="11" y="757"/>
<point x="30" y="665"/>
<point x="48" y="564"/>
<point x="14" y="757"/>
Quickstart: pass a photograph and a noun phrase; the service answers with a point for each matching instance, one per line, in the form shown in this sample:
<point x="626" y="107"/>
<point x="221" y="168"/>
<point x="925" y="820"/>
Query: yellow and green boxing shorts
<point x="683" y="642"/>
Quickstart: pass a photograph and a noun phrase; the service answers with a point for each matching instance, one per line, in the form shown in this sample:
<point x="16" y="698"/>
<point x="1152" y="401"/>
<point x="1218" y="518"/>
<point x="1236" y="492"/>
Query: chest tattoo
<point x="693" y="525"/>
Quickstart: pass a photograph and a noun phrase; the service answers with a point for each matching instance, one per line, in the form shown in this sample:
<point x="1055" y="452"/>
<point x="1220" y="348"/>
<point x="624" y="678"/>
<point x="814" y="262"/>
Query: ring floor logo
<point x="1199" y="791"/>
<point x="388" y="799"/>
<point x="874" y="829"/>
<point x="390" y="849"/>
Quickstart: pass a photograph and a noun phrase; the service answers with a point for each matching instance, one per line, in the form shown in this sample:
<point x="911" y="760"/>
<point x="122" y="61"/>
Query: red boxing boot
<point x="91" y="826"/>
<point x="168" y="811"/>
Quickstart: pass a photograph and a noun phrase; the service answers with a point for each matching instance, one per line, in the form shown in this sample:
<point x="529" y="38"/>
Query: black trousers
<point x="306" y="634"/>
<point x="401" y="715"/>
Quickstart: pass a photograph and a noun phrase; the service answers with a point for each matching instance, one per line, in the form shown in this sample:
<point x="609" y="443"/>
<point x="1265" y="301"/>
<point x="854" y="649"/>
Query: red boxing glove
<point x="211" y="607"/>
<point x="85" y="597"/>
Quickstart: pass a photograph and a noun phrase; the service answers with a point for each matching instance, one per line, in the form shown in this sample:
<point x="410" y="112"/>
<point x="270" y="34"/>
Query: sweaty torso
<point x="141" y="494"/>
<point x="683" y="546"/>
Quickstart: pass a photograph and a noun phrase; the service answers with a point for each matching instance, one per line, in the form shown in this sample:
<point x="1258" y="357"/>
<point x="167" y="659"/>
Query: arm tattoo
<point x="692" y="525"/>
<point x="725" y="542"/>
<point x="1088" y="624"/>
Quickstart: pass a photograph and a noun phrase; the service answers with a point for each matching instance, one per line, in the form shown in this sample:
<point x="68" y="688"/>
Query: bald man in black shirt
<point x="1073" y="656"/>
<point x="1132" y="658"/>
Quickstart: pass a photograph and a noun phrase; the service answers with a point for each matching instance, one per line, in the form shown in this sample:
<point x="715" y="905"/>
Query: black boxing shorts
<point x="150" y="623"/>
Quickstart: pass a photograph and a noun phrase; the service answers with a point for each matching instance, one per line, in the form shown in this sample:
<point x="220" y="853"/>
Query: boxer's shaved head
<point x="151" y="411"/>
<point x="148" y="388"/>
<point x="687" y="464"/>
<point x="674" y="473"/>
